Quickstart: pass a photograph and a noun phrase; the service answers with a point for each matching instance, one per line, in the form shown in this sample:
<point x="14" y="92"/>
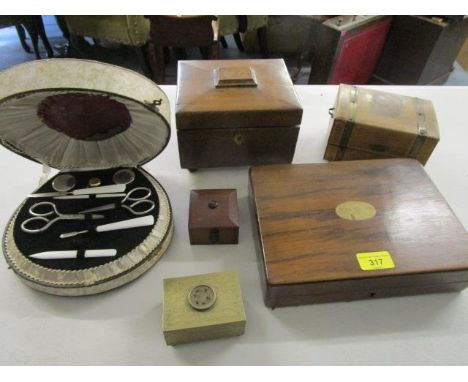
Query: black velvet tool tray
<point x="121" y="240"/>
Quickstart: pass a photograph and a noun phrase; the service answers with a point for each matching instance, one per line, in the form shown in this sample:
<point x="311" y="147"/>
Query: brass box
<point x="224" y="318"/>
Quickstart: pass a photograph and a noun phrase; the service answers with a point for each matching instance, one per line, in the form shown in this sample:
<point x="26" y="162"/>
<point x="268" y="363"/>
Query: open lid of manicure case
<point x="79" y="114"/>
<point x="87" y="119"/>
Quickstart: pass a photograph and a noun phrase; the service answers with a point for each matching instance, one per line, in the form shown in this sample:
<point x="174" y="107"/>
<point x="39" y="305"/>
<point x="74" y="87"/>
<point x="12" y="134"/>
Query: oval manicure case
<point x="89" y="120"/>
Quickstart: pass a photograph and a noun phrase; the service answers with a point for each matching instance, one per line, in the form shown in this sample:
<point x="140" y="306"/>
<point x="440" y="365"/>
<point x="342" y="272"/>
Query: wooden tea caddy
<point x="236" y="113"/>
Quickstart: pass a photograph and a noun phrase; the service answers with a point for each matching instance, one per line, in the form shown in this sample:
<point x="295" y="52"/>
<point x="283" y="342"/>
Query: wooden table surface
<point x="124" y="326"/>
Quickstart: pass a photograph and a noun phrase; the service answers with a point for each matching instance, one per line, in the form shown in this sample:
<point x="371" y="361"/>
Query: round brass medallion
<point x="202" y="297"/>
<point x="354" y="210"/>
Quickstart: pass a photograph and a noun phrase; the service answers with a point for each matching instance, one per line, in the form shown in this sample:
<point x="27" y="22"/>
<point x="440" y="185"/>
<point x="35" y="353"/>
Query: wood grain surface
<point x="381" y="125"/>
<point x="309" y="253"/>
<point x="213" y="217"/>
<point x="204" y="148"/>
<point x="200" y="104"/>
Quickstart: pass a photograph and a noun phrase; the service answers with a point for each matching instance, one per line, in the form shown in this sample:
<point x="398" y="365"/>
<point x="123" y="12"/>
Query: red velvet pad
<point x="84" y="116"/>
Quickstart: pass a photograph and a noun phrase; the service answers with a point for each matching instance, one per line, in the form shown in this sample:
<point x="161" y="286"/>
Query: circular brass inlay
<point x="202" y="297"/>
<point x="94" y="182"/>
<point x="63" y="183"/>
<point x="354" y="210"/>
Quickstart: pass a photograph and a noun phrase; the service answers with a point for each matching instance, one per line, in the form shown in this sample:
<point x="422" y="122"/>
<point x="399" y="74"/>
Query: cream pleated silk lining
<point x="21" y="127"/>
<point x="23" y="87"/>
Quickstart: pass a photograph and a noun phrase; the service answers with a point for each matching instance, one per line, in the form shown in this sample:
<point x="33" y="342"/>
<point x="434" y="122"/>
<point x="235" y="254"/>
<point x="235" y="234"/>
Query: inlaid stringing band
<point x="348" y="128"/>
<point x="422" y="130"/>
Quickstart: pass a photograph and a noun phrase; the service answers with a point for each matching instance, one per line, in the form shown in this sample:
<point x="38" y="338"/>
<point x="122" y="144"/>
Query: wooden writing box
<point x="371" y="124"/>
<point x="353" y="230"/>
<point x="236" y="113"/>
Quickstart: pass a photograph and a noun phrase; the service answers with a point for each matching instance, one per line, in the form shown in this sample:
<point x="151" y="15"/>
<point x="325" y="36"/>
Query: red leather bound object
<point x="358" y="52"/>
<point x="348" y="49"/>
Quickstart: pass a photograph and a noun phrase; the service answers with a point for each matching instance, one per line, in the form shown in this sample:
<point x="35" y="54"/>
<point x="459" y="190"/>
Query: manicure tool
<point x="131" y="196"/>
<point x="73" y="254"/>
<point x="50" y="209"/>
<point x="124" y="224"/>
<point x="83" y="191"/>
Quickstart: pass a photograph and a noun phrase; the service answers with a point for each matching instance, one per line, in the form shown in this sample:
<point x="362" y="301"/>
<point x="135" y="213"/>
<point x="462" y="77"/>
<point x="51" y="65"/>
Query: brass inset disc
<point x="94" y="182"/>
<point x="202" y="297"/>
<point x="354" y="210"/>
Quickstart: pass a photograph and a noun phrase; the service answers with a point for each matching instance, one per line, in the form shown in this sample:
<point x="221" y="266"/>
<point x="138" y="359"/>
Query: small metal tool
<point x="132" y="196"/>
<point x="83" y="191"/>
<point x="48" y="209"/>
<point x="124" y="224"/>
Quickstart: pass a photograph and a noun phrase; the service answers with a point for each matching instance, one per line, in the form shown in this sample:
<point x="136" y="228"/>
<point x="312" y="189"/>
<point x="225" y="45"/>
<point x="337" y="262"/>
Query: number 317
<point x="376" y="261"/>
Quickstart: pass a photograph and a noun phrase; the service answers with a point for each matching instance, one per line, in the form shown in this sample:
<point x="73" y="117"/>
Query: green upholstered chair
<point x="132" y="31"/>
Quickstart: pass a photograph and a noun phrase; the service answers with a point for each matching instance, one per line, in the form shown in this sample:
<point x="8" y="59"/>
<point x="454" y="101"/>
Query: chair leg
<point x="210" y="52"/>
<point x="142" y="60"/>
<point x="262" y="41"/>
<point x="223" y="42"/>
<point x="238" y="40"/>
<point x="63" y="27"/>
<point x="22" y="38"/>
<point x="214" y="51"/>
<point x="79" y="46"/>
<point x="30" y="27"/>
<point x="156" y="61"/>
<point x="39" y="25"/>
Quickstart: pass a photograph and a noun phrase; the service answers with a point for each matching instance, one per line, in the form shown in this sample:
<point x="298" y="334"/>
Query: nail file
<point x="124" y="224"/>
<point x="89" y="253"/>
<point x="84" y="191"/>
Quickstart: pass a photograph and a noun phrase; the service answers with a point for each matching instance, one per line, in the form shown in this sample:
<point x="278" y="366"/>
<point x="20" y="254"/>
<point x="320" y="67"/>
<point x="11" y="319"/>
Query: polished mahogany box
<point x="354" y="230"/>
<point x="236" y="113"/>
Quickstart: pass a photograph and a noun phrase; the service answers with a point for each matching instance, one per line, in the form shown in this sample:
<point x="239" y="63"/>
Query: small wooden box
<point x="236" y="113"/>
<point x="371" y="124"/>
<point x="353" y="230"/>
<point x="224" y="318"/>
<point x="213" y="217"/>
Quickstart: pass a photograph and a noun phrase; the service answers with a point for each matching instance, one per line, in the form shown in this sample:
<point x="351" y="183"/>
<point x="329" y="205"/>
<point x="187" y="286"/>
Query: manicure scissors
<point x="139" y="196"/>
<point x="42" y="217"/>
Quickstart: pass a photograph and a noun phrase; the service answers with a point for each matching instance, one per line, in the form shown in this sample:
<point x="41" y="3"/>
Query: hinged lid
<point x="314" y="219"/>
<point x="382" y="123"/>
<point x="235" y="93"/>
<point x="80" y="114"/>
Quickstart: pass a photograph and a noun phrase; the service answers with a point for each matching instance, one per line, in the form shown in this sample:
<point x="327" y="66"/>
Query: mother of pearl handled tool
<point x="73" y="254"/>
<point x="83" y="191"/>
<point x="124" y="224"/>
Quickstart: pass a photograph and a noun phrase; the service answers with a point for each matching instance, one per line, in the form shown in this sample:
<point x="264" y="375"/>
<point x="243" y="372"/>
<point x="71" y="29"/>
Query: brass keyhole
<point x="239" y="139"/>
